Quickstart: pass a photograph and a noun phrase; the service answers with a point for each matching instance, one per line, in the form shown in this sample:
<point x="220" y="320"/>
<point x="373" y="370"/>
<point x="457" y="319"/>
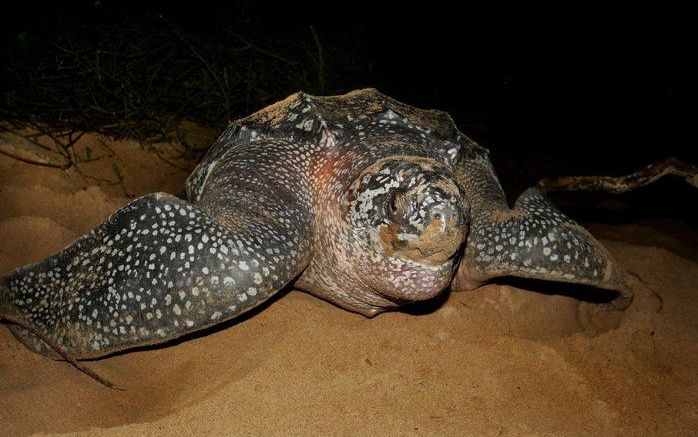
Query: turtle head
<point x="409" y="219"/>
<point x="423" y="223"/>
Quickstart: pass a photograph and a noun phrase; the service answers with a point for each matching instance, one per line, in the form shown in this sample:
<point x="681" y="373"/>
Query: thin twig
<point x="196" y="53"/>
<point x="65" y="355"/>
<point x="250" y="45"/>
<point x="320" y="61"/>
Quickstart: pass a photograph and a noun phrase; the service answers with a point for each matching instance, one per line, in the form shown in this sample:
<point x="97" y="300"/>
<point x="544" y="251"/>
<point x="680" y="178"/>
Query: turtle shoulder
<point x="293" y="119"/>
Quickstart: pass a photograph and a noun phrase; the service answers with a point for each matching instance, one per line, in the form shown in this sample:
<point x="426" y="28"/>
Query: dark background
<point x="549" y="91"/>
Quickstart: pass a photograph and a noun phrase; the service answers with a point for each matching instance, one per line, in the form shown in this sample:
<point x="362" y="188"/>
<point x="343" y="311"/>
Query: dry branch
<point x="20" y="148"/>
<point x="670" y="166"/>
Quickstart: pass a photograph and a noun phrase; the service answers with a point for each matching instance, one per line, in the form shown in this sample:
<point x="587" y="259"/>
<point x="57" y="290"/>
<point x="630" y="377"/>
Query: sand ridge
<point x="499" y="360"/>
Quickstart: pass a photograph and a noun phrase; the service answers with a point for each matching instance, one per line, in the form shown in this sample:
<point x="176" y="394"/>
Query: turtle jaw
<point x="409" y="281"/>
<point x="437" y="243"/>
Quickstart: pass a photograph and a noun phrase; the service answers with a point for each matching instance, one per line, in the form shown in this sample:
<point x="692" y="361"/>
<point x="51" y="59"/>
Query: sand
<point x="500" y="360"/>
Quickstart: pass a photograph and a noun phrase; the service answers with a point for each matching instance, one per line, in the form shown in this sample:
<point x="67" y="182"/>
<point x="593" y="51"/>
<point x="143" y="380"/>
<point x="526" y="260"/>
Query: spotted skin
<point x="533" y="240"/>
<point x="357" y="199"/>
<point x="158" y="268"/>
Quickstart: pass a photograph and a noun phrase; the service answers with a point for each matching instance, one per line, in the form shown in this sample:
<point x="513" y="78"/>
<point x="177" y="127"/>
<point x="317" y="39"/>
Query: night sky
<point x="568" y="91"/>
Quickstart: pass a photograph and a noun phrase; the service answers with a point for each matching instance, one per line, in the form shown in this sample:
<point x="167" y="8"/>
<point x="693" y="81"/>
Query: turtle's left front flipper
<point x="532" y="240"/>
<point x="159" y="268"/>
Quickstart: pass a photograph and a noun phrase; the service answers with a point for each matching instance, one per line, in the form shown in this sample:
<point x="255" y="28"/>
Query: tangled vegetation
<point x="143" y="78"/>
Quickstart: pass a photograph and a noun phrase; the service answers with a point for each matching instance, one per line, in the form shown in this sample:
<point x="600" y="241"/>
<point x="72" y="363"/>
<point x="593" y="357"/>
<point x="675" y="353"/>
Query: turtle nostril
<point x="444" y="214"/>
<point x="448" y="216"/>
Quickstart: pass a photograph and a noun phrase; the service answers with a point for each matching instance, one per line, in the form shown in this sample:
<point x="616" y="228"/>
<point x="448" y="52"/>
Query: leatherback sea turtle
<point x="358" y="199"/>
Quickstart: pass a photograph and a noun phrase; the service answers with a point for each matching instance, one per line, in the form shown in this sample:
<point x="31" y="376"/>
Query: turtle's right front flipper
<point x="157" y="269"/>
<point x="533" y="240"/>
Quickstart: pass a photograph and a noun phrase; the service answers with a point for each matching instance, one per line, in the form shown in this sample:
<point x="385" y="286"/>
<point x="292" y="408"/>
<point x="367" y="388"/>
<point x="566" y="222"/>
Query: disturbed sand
<point x="499" y="360"/>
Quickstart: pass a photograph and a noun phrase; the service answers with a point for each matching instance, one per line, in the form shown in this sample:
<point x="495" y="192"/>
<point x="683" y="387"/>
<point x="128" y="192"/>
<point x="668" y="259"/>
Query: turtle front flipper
<point x="157" y="269"/>
<point x="533" y="240"/>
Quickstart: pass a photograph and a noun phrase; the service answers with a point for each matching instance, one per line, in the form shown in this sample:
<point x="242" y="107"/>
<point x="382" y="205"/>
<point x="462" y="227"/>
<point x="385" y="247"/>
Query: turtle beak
<point x="442" y="236"/>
